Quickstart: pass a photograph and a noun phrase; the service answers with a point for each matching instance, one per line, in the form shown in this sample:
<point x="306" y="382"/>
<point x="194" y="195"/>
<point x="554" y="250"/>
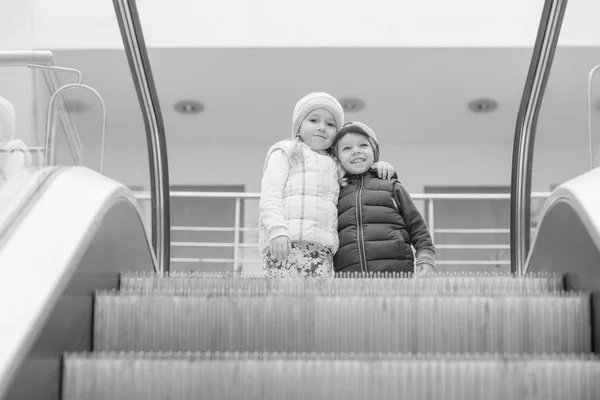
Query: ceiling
<point x="412" y="95"/>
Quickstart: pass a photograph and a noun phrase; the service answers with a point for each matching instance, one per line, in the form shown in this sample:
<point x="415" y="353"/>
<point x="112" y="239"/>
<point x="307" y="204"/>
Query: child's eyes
<point x="314" y="121"/>
<point x="331" y="124"/>
<point x="363" y="145"/>
<point x="345" y="148"/>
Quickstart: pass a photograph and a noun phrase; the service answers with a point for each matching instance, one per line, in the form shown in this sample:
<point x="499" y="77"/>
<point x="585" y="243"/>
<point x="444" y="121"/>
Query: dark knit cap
<point x="361" y="129"/>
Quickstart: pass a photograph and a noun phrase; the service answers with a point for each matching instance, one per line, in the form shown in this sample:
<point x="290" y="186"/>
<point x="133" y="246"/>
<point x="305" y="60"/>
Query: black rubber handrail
<point x="535" y="85"/>
<point x="139" y="64"/>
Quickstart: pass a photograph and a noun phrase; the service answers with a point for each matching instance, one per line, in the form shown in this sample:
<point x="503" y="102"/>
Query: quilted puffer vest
<point x="310" y="196"/>
<point x="372" y="231"/>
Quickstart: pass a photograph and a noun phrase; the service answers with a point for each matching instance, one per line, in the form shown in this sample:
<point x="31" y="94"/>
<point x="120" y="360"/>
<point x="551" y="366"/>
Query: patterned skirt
<point x="307" y="259"/>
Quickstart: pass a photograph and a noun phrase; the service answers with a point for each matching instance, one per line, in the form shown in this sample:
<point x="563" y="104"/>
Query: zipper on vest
<point x="360" y="234"/>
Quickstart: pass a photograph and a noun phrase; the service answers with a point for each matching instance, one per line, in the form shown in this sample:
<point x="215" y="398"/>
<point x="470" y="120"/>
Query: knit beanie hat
<point x="314" y="101"/>
<point x="361" y="129"/>
<point x="7" y="120"/>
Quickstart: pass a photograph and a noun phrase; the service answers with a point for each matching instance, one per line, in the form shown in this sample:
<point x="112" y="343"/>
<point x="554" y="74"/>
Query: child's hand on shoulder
<point x="280" y="247"/>
<point x="384" y="170"/>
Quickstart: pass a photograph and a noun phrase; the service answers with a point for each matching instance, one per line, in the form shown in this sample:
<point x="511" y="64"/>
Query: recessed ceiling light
<point x="189" y="107"/>
<point x="351" y="104"/>
<point x="482" y="106"/>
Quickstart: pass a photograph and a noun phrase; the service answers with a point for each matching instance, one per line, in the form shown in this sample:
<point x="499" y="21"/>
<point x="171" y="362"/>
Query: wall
<point x="187" y="23"/>
<point x="417" y="166"/>
<point x="16" y="24"/>
<point x="71" y="24"/>
<point x="16" y="83"/>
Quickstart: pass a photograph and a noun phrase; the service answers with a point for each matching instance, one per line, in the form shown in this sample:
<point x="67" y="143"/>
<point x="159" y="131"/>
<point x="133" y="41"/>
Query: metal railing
<point x="238" y="260"/>
<point x="46" y="58"/>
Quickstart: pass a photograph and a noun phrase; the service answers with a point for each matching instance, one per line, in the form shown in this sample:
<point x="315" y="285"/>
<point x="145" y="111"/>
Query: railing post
<point x="430" y="219"/>
<point x="589" y="107"/>
<point x="236" y="235"/>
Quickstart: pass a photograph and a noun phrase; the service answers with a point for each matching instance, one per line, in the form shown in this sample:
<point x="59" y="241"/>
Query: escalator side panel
<point x="114" y="240"/>
<point x="568" y="240"/>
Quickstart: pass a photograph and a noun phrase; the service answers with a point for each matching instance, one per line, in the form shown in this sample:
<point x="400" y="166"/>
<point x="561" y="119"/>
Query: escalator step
<point x="353" y="377"/>
<point x="539" y="323"/>
<point x="439" y="283"/>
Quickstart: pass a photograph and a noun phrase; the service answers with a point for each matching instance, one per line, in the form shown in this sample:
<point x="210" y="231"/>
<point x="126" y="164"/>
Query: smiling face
<point x="355" y="153"/>
<point x="318" y="129"/>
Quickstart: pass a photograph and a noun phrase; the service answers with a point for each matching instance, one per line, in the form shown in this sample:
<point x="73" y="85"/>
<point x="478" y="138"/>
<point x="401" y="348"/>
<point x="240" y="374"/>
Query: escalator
<point x="105" y="326"/>
<point x="85" y="317"/>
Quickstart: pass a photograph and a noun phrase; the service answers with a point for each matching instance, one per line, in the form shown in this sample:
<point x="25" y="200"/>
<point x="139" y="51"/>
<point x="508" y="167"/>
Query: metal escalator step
<point x="323" y="377"/>
<point x="439" y="283"/>
<point x="540" y="323"/>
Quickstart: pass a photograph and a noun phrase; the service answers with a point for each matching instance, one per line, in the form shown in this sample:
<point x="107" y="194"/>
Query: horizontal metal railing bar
<point x="227" y="229"/>
<point x="210" y="229"/>
<point x="257" y="261"/>
<point x="216" y="260"/>
<point x="472" y="246"/>
<point x="472" y="196"/>
<point x="214" y="195"/>
<point x="472" y="262"/>
<point x="200" y="244"/>
<point x="24" y="58"/>
<point x="212" y="244"/>
<point x="471" y="230"/>
<point x="439" y="246"/>
<point x="415" y="196"/>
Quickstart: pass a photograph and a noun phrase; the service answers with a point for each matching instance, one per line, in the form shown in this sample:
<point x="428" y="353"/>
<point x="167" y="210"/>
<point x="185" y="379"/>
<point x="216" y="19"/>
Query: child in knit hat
<point x="378" y="222"/>
<point x="299" y="193"/>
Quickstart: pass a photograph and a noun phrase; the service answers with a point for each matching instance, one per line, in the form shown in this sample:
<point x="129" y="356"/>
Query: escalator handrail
<point x="139" y="64"/>
<point x="41" y="255"/>
<point x="533" y="93"/>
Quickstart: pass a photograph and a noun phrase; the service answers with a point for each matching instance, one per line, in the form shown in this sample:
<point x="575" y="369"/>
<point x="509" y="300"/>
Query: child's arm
<point x="417" y="229"/>
<point x="384" y="170"/>
<point x="271" y="209"/>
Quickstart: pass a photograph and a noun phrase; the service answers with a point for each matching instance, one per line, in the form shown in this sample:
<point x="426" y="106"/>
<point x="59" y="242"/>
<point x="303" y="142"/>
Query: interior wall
<point x="67" y="23"/>
<point x="16" y="24"/>
<point x="16" y="83"/>
<point x="417" y="166"/>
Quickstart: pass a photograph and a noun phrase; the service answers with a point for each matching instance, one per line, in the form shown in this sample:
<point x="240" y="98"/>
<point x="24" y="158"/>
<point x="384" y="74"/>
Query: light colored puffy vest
<point x="310" y="196"/>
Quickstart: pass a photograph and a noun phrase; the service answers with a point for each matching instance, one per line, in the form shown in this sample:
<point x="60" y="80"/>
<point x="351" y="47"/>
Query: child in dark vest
<point x="378" y="223"/>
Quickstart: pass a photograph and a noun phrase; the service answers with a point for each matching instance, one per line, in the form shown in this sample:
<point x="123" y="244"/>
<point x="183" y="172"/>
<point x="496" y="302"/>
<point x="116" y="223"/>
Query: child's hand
<point x="427" y="268"/>
<point x="280" y="247"/>
<point x="424" y="269"/>
<point x="384" y="170"/>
